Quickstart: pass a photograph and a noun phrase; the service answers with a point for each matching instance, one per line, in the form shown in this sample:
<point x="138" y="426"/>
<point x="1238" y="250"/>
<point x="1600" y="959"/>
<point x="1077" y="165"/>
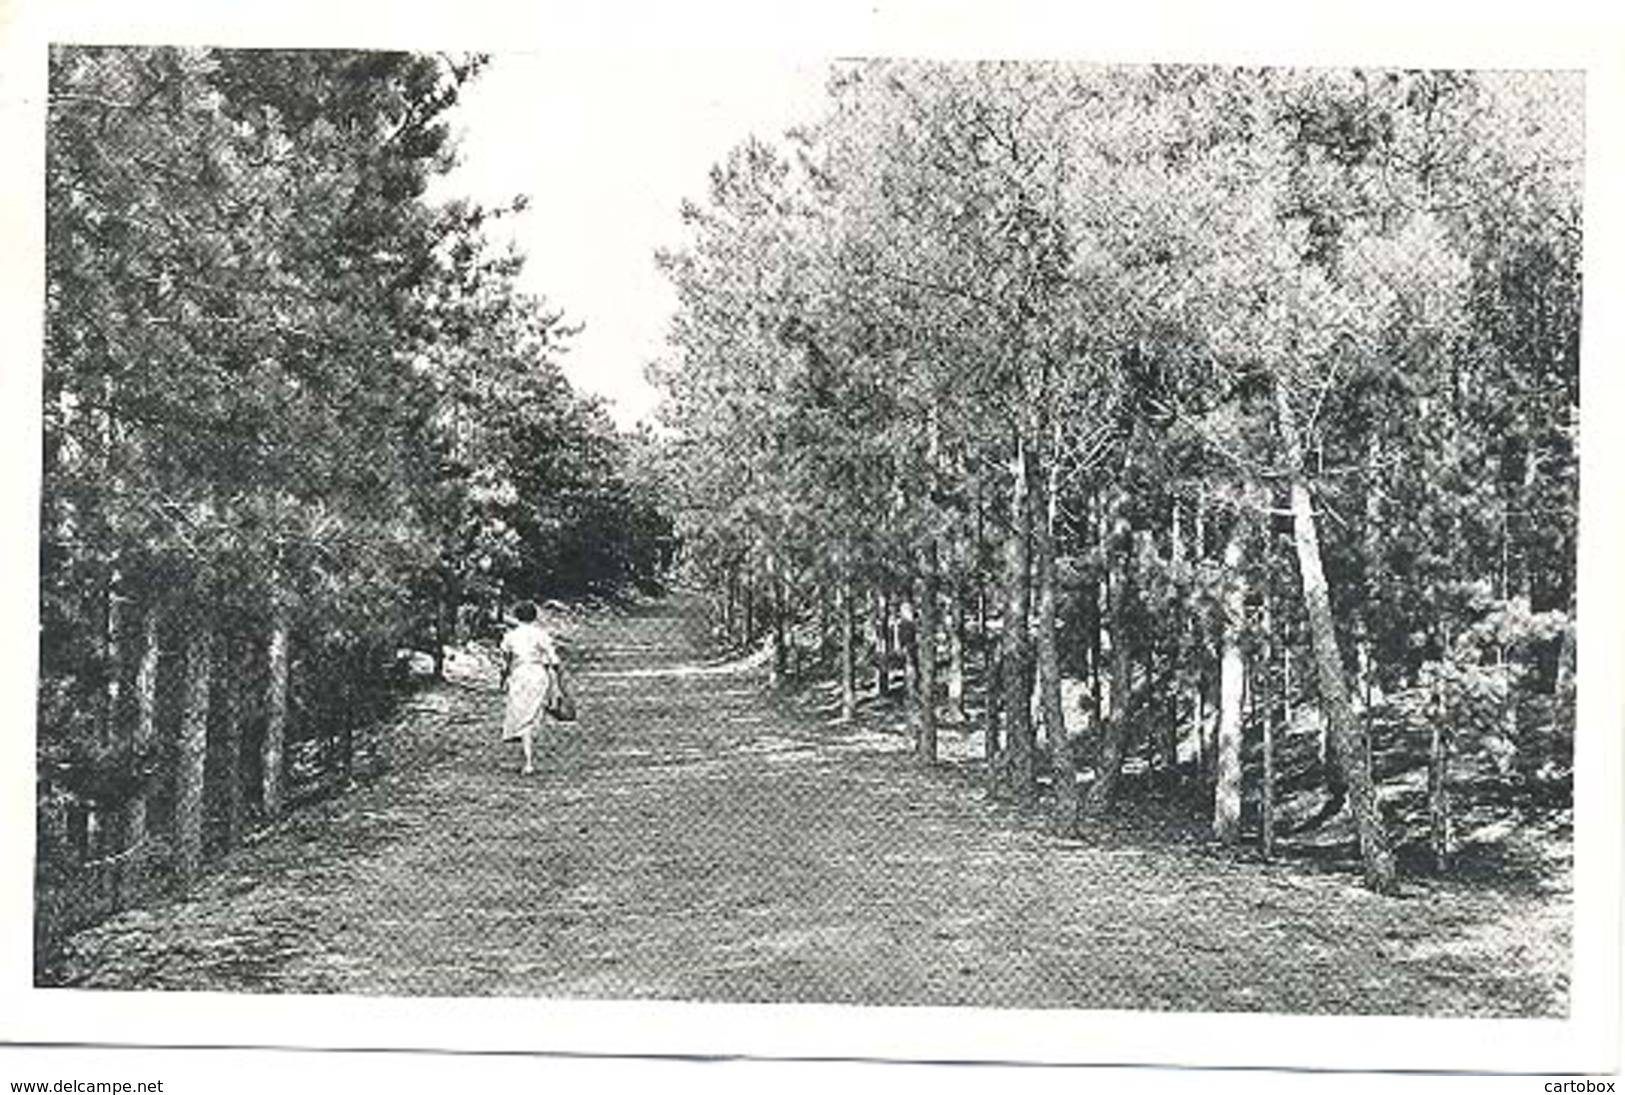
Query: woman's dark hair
<point x="525" y="612"/>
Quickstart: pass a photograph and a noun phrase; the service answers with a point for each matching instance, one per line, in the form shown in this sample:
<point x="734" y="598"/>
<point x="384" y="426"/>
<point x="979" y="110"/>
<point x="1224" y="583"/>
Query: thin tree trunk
<point x="194" y="745"/>
<point x="849" y="661"/>
<point x="1567" y="655"/>
<point x="1189" y="554"/>
<point x="1440" y="830"/>
<point x="1016" y="645"/>
<point x="1048" y="684"/>
<point x="351" y="711"/>
<point x="730" y="605"/>
<point x="1064" y="820"/>
<point x="79" y="829"/>
<point x="1097" y="621"/>
<point x="144" y="735"/>
<point x="823" y="628"/>
<point x="1049" y="658"/>
<point x="1266" y="821"/>
<point x="106" y="829"/>
<point x="231" y="727"/>
<point x="925" y="643"/>
<point x="1163" y="703"/>
<point x="1198" y="729"/>
<point x="781" y="650"/>
<point x="908" y="640"/>
<point x="992" y="740"/>
<point x="1287" y="709"/>
<point x="276" y="713"/>
<point x="1114" y="738"/>
<point x="1365" y="659"/>
<point x="1348" y="735"/>
<point x="1440" y="834"/>
<point x="113" y="660"/>
<point x="981" y="585"/>
<point x="444" y="630"/>
<point x="1286" y="682"/>
<point x="1180" y="648"/>
<point x="1232" y="679"/>
<point x="883" y="648"/>
<point x="1531" y="463"/>
<point x="1097" y="651"/>
<point x="955" y="712"/>
<point x="1200" y="716"/>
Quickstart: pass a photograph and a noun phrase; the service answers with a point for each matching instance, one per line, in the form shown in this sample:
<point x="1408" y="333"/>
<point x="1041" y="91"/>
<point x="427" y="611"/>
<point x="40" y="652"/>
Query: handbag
<point x="560" y="704"/>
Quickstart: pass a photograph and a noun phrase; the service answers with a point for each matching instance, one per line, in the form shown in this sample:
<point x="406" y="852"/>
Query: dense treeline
<point x="297" y="417"/>
<point x="1232" y="415"/>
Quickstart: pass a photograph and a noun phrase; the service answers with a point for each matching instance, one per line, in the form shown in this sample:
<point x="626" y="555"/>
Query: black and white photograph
<point x="1030" y="543"/>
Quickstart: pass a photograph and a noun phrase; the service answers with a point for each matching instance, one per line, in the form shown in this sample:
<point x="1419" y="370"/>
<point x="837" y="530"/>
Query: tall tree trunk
<point x="1049" y="658"/>
<point x="750" y="611"/>
<point x="79" y="829"/>
<point x="1188" y="554"/>
<point x="925" y="644"/>
<point x="822" y="661"/>
<point x="142" y="739"/>
<point x="1348" y="735"/>
<point x="1440" y="835"/>
<point x="730" y="606"/>
<point x="1171" y="725"/>
<point x="276" y="712"/>
<point x="1168" y="723"/>
<point x="1525" y="575"/>
<point x="1266" y="810"/>
<point x="1287" y="708"/>
<point x="1370" y="547"/>
<point x="955" y="711"/>
<point x="908" y="640"/>
<point x="349" y="711"/>
<point x="883" y="648"/>
<point x="112" y="659"/>
<point x="1232" y="681"/>
<point x="1016" y="644"/>
<point x="107" y="828"/>
<point x="231" y="727"/>
<point x="1199" y="716"/>
<point x="445" y="613"/>
<point x="1440" y="827"/>
<point x="1064" y="820"/>
<point x="1114" y="738"/>
<point x="781" y="649"/>
<point x="992" y="718"/>
<point x="1567" y="654"/>
<point x="1046" y="700"/>
<point x="983" y="599"/>
<point x="194" y="745"/>
<point x="1198" y="731"/>
<point x="849" y="659"/>
<point x="1097" y="591"/>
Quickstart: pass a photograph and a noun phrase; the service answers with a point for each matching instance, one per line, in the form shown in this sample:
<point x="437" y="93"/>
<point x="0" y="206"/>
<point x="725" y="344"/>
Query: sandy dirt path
<point x="693" y="838"/>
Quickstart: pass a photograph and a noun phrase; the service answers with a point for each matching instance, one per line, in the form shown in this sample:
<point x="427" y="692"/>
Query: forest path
<point x="694" y="838"/>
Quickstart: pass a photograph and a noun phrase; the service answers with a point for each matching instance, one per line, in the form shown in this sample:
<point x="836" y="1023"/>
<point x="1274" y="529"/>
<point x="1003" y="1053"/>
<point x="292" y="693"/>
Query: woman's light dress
<point x="530" y="680"/>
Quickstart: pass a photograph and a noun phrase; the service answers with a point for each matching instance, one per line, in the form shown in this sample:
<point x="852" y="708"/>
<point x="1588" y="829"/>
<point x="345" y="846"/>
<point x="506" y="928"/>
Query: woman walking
<point x="530" y="675"/>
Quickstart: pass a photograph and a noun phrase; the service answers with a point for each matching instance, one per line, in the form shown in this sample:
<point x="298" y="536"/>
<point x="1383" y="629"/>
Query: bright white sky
<point x="607" y="144"/>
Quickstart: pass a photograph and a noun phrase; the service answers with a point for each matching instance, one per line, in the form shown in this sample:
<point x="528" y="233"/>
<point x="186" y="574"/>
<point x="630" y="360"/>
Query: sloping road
<point x="693" y="838"/>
